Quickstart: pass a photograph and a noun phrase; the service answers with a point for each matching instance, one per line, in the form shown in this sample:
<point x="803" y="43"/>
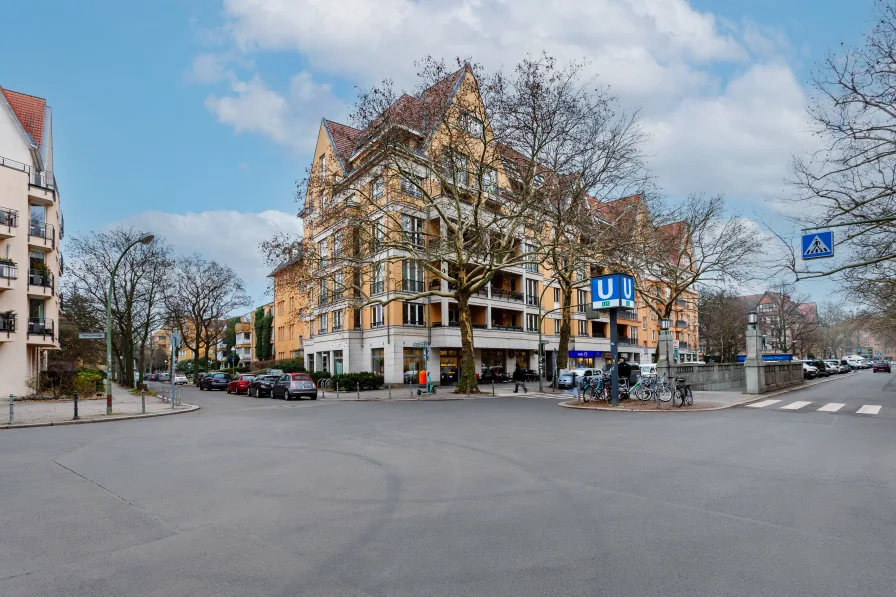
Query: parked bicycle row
<point x="648" y="387"/>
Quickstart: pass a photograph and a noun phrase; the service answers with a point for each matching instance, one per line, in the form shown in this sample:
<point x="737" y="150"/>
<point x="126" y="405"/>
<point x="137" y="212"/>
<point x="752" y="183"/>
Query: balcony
<point x="681" y="323"/>
<point x="41" y="236"/>
<point x="41" y="187"/>
<point x="511" y="295"/>
<point x="40" y="283"/>
<point x="414" y="285"/>
<point x="41" y="331"/>
<point x="377" y="288"/>
<point x="626" y="315"/>
<point x="9" y="271"/>
<point x="7" y="326"/>
<point x="681" y="303"/>
<point x="9" y="222"/>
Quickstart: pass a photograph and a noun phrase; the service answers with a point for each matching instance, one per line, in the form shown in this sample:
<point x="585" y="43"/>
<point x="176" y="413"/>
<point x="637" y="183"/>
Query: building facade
<point x="30" y="236"/>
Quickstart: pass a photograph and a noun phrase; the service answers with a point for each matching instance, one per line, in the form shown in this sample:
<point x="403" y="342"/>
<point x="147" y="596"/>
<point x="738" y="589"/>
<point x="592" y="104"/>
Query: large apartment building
<point x="30" y="234"/>
<point x="319" y="318"/>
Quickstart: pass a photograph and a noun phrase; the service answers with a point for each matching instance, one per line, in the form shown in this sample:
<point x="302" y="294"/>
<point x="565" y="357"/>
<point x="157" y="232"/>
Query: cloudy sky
<point x="194" y="118"/>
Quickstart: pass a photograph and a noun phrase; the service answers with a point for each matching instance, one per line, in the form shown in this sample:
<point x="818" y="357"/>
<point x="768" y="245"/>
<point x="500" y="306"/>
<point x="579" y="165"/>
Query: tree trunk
<point x="466" y="379"/>
<point x="565" y="322"/>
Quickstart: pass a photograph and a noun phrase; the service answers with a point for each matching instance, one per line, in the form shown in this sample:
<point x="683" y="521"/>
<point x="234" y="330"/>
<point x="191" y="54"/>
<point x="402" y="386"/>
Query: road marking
<point x="795" y="405"/>
<point x="869" y="409"/>
<point x="763" y="404"/>
<point x="831" y="408"/>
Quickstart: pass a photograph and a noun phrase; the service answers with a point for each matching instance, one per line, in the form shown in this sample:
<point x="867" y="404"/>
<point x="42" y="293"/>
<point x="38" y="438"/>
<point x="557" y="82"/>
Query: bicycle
<point x="640" y="390"/>
<point x="683" y="394"/>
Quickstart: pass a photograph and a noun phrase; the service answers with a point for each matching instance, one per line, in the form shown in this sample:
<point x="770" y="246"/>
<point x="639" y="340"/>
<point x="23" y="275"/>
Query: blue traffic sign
<point x="818" y="244"/>
<point x="613" y="291"/>
<point x="768" y="357"/>
<point x="585" y="354"/>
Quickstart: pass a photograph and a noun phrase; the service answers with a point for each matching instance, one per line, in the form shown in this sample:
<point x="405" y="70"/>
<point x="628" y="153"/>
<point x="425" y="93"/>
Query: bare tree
<point x="835" y="327"/>
<point x="790" y="320"/>
<point x="852" y="176"/>
<point x="201" y="294"/>
<point x="136" y="293"/>
<point x="722" y="317"/>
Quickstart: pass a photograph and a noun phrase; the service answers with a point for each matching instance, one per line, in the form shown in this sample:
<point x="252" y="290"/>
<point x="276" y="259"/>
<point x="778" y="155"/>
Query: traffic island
<point x="703" y="401"/>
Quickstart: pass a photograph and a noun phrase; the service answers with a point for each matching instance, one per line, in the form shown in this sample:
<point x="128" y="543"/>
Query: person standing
<point x="625" y="370"/>
<point x="519" y="379"/>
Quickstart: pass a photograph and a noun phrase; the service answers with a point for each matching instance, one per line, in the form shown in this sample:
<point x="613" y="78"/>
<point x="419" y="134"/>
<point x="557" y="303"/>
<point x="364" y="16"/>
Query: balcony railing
<point x="38" y="229"/>
<point x="9" y="218"/>
<point x="9" y="270"/>
<point x="626" y="315"/>
<point x="7" y="322"/>
<point x="38" y="326"/>
<point x="377" y="288"/>
<point x="36" y="178"/>
<point x="507" y="294"/>
<point x="681" y="323"/>
<point x="412" y="285"/>
<point x="323" y="300"/>
<point x="508" y="328"/>
<point x="40" y="277"/>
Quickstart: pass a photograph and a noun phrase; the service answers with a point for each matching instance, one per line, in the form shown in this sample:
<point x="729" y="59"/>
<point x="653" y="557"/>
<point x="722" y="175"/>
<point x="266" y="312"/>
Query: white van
<point x="647" y="368"/>
<point x="855" y="361"/>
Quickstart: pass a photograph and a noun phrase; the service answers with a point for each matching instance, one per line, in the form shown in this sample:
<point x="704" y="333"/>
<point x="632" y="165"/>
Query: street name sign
<point x="613" y="291"/>
<point x="817" y="245"/>
<point x="92" y="335"/>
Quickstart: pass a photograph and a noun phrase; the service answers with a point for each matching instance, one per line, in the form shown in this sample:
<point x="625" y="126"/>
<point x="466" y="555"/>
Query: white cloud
<point x="208" y="68"/>
<point x="290" y="119"/>
<point x="228" y="237"/>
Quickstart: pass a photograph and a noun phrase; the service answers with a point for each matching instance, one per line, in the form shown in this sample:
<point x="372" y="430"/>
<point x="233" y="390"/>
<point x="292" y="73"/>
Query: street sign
<point x="92" y="335"/>
<point x="585" y="354"/>
<point x="675" y="344"/>
<point x="768" y="357"/>
<point x="614" y="290"/>
<point x="419" y="344"/>
<point x="818" y="244"/>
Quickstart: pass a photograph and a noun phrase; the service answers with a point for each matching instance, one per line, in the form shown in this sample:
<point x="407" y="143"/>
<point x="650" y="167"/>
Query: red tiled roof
<point x="30" y="111"/>
<point x="345" y="137"/>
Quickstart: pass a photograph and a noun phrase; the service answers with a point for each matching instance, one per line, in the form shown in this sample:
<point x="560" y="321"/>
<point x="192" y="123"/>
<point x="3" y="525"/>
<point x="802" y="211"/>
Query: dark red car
<point x="881" y="366"/>
<point x="240" y="384"/>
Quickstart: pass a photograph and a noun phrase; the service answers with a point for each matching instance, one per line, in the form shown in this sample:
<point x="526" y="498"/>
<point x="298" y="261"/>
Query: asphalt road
<point x="491" y="497"/>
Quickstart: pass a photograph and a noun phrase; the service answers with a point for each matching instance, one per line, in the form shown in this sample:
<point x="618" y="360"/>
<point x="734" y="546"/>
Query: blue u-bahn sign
<point x="612" y="291"/>
<point x="768" y="357"/>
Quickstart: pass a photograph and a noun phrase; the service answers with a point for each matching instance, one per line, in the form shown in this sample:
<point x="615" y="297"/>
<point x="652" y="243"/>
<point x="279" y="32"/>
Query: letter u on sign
<point x="628" y="288"/>
<point x="605" y="288"/>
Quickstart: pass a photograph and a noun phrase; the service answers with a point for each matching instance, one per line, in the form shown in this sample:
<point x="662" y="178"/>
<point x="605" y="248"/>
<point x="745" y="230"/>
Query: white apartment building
<point x="30" y="234"/>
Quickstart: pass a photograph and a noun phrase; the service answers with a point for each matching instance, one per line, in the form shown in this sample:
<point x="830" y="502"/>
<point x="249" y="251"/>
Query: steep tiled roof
<point x="345" y="137"/>
<point x="30" y="111"/>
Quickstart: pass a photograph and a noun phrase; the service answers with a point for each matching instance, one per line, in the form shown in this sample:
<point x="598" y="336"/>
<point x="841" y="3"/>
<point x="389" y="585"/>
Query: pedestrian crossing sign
<point x="818" y="244"/>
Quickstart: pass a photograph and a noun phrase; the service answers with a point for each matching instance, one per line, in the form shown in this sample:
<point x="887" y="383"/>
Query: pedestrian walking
<point x="519" y="379"/>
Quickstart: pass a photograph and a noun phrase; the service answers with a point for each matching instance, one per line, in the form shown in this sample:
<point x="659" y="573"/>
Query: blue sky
<point x="194" y="117"/>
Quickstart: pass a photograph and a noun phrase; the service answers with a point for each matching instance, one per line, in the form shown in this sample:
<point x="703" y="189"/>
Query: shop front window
<point x="449" y="360"/>
<point x="413" y="364"/>
<point x="377" y="361"/>
<point x="337" y="362"/>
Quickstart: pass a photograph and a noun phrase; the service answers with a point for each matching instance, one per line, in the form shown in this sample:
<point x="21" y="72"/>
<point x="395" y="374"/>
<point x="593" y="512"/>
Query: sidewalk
<point x="57" y="412"/>
<point x="409" y="392"/>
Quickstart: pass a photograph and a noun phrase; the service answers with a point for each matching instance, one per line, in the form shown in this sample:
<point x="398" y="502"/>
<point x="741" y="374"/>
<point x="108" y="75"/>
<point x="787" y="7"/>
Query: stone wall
<point x="721" y="377"/>
<point x="781" y="375"/>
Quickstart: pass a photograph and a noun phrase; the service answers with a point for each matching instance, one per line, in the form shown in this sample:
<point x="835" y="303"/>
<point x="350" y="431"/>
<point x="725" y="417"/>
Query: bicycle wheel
<point x="664" y="393"/>
<point x="678" y="398"/>
<point x="688" y="396"/>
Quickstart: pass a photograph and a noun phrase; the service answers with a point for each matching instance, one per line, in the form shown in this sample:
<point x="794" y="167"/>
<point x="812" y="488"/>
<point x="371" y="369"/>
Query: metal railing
<point x="9" y="218"/>
<point x="37" y="229"/>
<point x="412" y="285"/>
<point x="36" y="178"/>
<point x="8" y="322"/>
<point x="377" y="288"/>
<point x="508" y="294"/>
<point x="40" y="277"/>
<point x="38" y="326"/>
<point x="9" y="270"/>
<point x="626" y="315"/>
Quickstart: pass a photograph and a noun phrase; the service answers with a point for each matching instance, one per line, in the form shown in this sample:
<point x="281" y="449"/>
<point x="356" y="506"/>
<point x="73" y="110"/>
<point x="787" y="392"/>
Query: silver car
<point x="574" y="377"/>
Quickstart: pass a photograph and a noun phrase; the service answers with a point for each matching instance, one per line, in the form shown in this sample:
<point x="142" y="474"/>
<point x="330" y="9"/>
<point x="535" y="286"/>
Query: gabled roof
<point x="345" y="138"/>
<point x="613" y="210"/>
<point x="30" y="111"/>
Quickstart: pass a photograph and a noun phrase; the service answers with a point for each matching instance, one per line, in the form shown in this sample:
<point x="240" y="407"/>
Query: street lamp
<point x="752" y="318"/>
<point x="145" y="239"/>
<point x="665" y="323"/>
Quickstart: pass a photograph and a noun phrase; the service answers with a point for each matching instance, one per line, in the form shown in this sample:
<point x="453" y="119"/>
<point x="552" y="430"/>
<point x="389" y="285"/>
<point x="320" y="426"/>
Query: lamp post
<point x="752" y="318"/>
<point x="145" y="239"/>
<point x="665" y="324"/>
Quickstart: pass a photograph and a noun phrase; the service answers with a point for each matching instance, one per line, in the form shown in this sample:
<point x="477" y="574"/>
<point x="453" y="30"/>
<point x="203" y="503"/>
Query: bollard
<point x="12" y="416"/>
<point x="358" y="391"/>
<point x="390" y="391"/>
<point x="337" y="390"/>
<point x="75" y="396"/>
<point x="143" y="401"/>
<point x="323" y="389"/>
<point x="493" y="386"/>
<point x="411" y="391"/>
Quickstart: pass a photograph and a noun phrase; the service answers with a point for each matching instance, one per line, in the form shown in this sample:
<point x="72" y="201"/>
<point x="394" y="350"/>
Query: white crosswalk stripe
<point x="869" y="409"/>
<point x="763" y="404"/>
<point x="795" y="405"/>
<point x="831" y="407"/>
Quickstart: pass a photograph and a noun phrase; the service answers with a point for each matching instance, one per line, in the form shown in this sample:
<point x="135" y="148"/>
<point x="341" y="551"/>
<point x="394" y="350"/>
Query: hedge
<point x="351" y="381"/>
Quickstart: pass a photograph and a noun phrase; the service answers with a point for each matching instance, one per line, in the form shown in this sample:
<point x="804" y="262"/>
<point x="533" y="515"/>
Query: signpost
<point x="817" y="245"/>
<point x="92" y="335"/>
<point x="612" y="292"/>
<point x="175" y="342"/>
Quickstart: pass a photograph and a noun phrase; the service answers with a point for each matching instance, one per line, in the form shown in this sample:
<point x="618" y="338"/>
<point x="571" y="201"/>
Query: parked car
<point x="809" y="371"/>
<point x="215" y="381"/>
<point x="239" y="384"/>
<point x="180" y="379"/>
<point x="262" y="385"/>
<point x="294" y="385"/>
<point x="574" y="377"/>
<point x="845" y="367"/>
<point x="856" y="362"/>
<point x="199" y="377"/>
<point x="164" y="377"/>
<point x="881" y="366"/>
<point x="823" y="369"/>
<point x="834" y="365"/>
<point x="495" y="373"/>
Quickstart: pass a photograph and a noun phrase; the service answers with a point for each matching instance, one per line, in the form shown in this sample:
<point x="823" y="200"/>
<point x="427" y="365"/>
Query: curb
<point x="760" y="397"/>
<point x="193" y="408"/>
<point x="656" y="410"/>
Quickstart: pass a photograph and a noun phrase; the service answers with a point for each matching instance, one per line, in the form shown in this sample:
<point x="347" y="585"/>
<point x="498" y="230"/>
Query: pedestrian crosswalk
<point x="805" y="406"/>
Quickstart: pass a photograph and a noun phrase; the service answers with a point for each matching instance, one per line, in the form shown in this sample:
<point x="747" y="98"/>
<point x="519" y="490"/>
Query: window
<point x="531" y="258"/>
<point x="376" y="316"/>
<point x="412" y="185"/>
<point x="457" y="169"/>
<point x="556" y="326"/>
<point x="411" y="275"/>
<point x="653" y="336"/>
<point x="292" y="331"/>
<point x="413" y="229"/>
<point x="583" y="301"/>
<point x="531" y="322"/>
<point x="323" y="252"/>
<point x="412" y="314"/>
<point x="557" y="295"/>
<point x="377" y="361"/>
<point x="532" y="292"/>
<point x="539" y="180"/>
<point x="322" y="166"/>
<point x="337" y="321"/>
<point x="357" y="318"/>
<point x="322" y="323"/>
<point x="337" y="286"/>
<point x="644" y="323"/>
<point x="633" y="334"/>
<point x="377" y="277"/>
<point x="377" y="190"/>
<point x="472" y="125"/>
<point x="583" y="328"/>
<point x="490" y="181"/>
<point x="292" y="304"/>
<point x="323" y="295"/>
<point x="337" y="244"/>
